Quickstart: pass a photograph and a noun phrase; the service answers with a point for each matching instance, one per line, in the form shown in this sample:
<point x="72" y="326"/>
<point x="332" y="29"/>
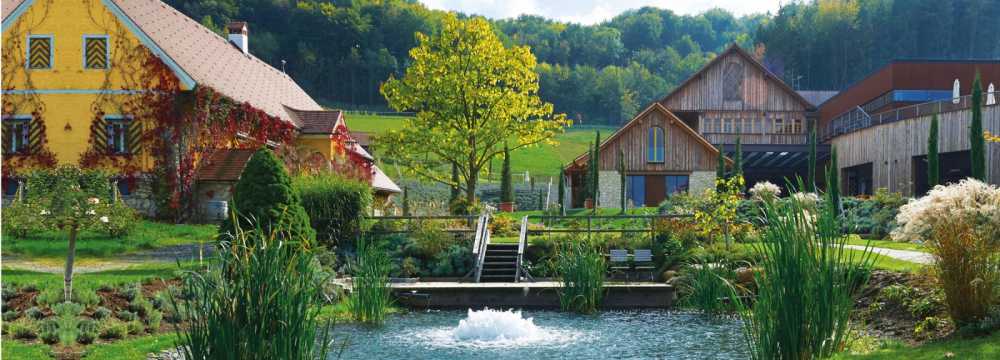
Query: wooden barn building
<point x="672" y="145"/>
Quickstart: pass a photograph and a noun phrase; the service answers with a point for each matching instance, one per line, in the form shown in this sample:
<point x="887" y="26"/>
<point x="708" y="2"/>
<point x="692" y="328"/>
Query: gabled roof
<point x="736" y="49"/>
<point x="317" y="122"/>
<point x="225" y="165"/>
<point x="635" y="120"/>
<point x="194" y="52"/>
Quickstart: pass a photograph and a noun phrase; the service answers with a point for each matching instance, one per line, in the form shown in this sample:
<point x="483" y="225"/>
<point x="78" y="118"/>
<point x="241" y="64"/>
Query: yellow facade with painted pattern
<point x="68" y="96"/>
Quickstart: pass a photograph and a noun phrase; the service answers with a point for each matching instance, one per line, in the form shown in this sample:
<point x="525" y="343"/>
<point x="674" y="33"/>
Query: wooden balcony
<point x="769" y="139"/>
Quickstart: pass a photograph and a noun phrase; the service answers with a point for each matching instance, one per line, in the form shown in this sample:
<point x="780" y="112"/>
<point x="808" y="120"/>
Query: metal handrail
<point x="482" y="240"/>
<point x="522" y="239"/>
<point x="836" y="126"/>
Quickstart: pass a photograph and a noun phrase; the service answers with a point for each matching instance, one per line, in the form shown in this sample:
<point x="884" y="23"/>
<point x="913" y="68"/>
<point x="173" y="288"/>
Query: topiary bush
<point x="336" y="206"/>
<point x="264" y="198"/>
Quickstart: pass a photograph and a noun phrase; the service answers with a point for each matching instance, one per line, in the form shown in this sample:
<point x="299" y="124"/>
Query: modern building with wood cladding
<point x="733" y="96"/>
<point x="880" y="125"/>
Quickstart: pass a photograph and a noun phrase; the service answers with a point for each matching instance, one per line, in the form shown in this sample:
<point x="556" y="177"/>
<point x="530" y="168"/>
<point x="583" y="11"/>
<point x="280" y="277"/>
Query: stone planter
<point x="507" y="207"/>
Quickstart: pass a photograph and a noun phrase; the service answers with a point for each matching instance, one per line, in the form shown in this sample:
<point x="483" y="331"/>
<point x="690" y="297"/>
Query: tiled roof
<point x="363" y="138"/>
<point x="317" y="122"/>
<point x="213" y="61"/>
<point x="225" y="165"/>
<point x="8" y="6"/>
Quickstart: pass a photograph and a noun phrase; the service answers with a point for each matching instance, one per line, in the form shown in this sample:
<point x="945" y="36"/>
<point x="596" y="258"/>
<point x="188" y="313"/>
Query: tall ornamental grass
<point x="960" y="224"/>
<point x="258" y="300"/>
<point x="370" y="298"/>
<point x="806" y="286"/>
<point x="708" y="289"/>
<point x="581" y="267"/>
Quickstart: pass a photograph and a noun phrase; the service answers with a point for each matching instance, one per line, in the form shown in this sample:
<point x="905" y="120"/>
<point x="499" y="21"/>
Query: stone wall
<point x="701" y="180"/>
<point x="141" y="199"/>
<point x="610" y="191"/>
<point x="212" y="191"/>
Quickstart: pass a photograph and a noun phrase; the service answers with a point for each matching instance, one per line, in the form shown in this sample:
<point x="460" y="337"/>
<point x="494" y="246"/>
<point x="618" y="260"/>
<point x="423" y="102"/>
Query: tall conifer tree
<point x="933" y="158"/>
<point x="976" y="138"/>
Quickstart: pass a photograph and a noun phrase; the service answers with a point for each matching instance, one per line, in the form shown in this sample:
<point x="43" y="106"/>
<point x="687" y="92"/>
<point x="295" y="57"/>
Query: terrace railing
<point x="856" y="119"/>
<point x="595" y="224"/>
<point x="479" y="245"/>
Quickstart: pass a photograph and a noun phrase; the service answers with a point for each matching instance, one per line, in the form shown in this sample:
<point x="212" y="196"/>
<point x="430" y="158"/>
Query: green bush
<point x="10" y="315"/>
<point x="125" y="315"/>
<point x="140" y="306"/>
<point x="67" y="309"/>
<point x="101" y="313"/>
<point x="9" y="291"/>
<point x="875" y="216"/>
<point x="85" y="296"/>
<point x="114" y="329"/>
<point x="455" y="260"/>
<point x="48" y="331"/>
<point x="49" y="296"/>
<point x="34" y="312"/>
<point x="264" y="198"/>
<point x="22" y="218"/>
<point x="153" y="320"/>
<point x="121" y="219"/>
<point x="131" y="291"/>
<point x="709" y="288"/>
<point x="135" y="327"/>
<point x="336" y="206"/>
<point x="22" y="329"/>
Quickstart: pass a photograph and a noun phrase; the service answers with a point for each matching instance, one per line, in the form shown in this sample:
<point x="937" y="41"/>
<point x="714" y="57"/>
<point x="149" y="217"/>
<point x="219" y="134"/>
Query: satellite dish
<point x="991" y="95"/>
<point x="955" y="93"/>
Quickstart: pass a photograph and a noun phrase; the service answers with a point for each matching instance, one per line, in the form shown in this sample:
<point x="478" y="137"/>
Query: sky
<point x="595" y="11"/>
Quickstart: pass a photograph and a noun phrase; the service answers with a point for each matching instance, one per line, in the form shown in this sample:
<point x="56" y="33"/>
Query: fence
<point x="857" y="119"/>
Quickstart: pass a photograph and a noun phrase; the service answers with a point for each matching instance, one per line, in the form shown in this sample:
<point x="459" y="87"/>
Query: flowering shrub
<point x="765" y="191"/>
<point x="117" y="219"/>
<point x="22" y="218"/>
<point x="970" y="201"/>
<point x="808" y="201"/>
<point x="960" y="224"/>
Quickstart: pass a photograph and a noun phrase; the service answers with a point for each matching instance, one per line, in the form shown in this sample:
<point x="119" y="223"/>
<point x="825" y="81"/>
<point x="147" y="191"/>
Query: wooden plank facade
<point x="888" y="150"/>
<point x="735" y="95"/>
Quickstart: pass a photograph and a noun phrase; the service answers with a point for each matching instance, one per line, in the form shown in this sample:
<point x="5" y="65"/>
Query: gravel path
<point x="170" y="254"/>
<point x="905" y="255"/>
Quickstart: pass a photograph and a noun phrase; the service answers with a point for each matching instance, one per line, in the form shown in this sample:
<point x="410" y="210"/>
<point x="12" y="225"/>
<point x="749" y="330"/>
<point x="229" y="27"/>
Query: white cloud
<point x="594" y="11"/>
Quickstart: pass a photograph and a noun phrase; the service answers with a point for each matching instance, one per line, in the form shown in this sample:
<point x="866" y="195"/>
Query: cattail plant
<point x="581" y="269"/>
<point x="370" y="296"/>
<point x="259" y="300"/>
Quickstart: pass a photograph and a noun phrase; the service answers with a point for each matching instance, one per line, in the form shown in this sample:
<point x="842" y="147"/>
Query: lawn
<point x="540" y="160"/>
<point x="90" y="244"/>
<point x="987" y="347"/>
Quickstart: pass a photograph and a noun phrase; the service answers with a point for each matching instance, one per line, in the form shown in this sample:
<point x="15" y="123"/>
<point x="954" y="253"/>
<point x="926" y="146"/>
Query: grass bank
<point x="987" y="347"/>
<point x="90" y="244"/>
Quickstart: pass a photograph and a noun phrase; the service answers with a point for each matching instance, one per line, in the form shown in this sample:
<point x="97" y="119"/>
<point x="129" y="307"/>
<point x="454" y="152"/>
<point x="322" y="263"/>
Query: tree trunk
<point x="470" y="186"/>
<point x="68" y="278"/>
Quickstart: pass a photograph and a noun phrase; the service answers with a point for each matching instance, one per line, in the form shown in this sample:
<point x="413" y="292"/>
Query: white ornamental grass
<point x="765" y="191"/>
<point x="970" y="201"/>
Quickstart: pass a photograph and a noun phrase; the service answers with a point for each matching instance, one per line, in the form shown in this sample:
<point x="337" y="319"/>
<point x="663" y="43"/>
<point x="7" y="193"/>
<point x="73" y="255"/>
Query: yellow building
<point x="136" y="87"/>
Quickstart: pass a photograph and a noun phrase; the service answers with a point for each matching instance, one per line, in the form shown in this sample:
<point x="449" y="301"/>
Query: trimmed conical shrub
<point x="264" y="197"/>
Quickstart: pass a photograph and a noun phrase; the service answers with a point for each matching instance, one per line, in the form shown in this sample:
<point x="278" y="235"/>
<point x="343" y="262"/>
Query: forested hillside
<point x="341" y="50"/>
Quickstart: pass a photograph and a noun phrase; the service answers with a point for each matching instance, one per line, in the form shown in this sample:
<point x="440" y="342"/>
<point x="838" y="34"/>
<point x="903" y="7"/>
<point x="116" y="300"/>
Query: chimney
<point x="238" y="35"/>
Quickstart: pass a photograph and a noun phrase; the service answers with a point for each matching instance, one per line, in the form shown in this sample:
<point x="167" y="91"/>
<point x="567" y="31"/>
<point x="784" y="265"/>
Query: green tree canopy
<point x="471" y="95"/>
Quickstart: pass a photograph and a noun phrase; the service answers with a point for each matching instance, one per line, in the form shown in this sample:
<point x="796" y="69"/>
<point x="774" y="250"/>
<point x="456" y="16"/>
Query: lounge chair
<point x="618" y="259"/>
<point x="643" y="261"/>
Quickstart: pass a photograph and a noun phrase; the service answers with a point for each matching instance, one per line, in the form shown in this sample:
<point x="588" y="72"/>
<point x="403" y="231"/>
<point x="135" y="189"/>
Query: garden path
<point x="918" y="257"/>
<point x="168" y="254"/>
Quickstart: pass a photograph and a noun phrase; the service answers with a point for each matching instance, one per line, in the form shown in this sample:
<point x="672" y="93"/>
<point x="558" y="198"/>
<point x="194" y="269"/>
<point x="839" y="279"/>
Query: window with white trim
<point x="118" y="135"/>
<point x="16" y="134"/>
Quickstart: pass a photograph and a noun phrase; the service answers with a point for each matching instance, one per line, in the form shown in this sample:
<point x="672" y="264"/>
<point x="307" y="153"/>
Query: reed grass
<point x="581" y="267"/>
<point x="370" y="298"/>
<point x="708" y="289"/>
<point x="806" y="287"/>
<point x="258" y="300"/>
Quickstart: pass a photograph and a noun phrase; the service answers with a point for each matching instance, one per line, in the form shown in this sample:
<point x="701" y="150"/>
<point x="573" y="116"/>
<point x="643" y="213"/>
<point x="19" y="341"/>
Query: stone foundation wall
<point x="141" y="199"/>
<point x="610" y="190"/>
<point x="701" y="180"/>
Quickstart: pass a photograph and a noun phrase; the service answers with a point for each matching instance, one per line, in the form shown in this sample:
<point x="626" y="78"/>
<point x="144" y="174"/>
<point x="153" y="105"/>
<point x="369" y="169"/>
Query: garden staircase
<point x="499" y="263"/>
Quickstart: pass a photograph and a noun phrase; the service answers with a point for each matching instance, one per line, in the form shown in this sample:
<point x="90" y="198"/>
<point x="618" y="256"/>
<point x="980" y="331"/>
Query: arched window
<point x="654" y="145"/>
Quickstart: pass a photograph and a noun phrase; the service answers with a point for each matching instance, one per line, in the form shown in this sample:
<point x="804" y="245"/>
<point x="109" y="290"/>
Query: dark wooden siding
<point x="684" y="152"/>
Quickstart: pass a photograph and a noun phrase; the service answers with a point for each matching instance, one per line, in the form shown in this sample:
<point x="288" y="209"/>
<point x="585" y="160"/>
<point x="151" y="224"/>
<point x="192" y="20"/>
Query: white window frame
<point x="117" y="143"/>
<point x="24" y="139"/>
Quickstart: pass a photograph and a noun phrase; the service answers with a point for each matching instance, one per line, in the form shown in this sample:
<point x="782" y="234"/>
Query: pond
<point x="496" y="335"/>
